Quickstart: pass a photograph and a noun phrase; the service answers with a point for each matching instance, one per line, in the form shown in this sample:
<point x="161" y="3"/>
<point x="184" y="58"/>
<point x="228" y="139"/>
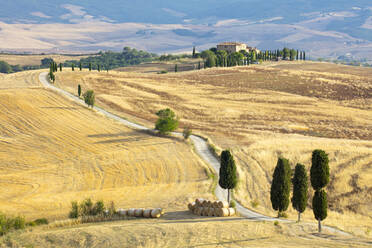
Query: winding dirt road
<point x="201" y="148"/>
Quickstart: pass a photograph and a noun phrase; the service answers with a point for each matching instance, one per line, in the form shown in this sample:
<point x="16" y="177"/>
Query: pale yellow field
<point x="190" y="232"/>
<point x="53" y="151"/>
<point x="262" y="112"/>
<point x="35" y="59"/>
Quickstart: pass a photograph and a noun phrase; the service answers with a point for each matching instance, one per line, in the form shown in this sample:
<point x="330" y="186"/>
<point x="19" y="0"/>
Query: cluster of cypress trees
<point x="52" y="69"/>
<point x="281" y="185"/>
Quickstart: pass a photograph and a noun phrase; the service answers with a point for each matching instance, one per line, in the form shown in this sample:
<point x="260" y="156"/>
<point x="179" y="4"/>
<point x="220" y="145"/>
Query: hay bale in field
<point x="223" y="204"/>
<point x="138" y="212"/>
<point x="205" y="204"/>
<point x="131" y="212"/>
<point x="205" y="211"/>
<point x="222" y="212"/>
<point x="199" y="202"/>
<point x="211" y="212"/>
<point x="122" y="212"/>
<point x="231" y="211"/>
<point x="198" y="211"/>
<point x="147" y="213"/>
<point x="191" y="206"/>
<point x="209" y="204"/>
<point x="156" y="213"/>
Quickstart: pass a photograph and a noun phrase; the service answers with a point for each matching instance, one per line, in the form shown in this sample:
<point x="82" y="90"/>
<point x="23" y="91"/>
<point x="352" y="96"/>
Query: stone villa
<point x="232" y="47"/>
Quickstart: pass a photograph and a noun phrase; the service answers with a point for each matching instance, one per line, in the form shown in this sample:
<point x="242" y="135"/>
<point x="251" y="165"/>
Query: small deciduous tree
<point x="89" y="98"/>
<point x="300" y="187"/>
<point x="281" y="186"/>
<point x="228" y="178"/>
<point x="167" y="121"/>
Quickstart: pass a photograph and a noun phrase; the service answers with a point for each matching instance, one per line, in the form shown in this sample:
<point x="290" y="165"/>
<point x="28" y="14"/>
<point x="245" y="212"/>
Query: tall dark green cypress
<point x="60" y="66"/>
<point x="176" y="68"/>
<point x="80" y="66"/>
<point x="320" y="205"/>
<point x="99" y="68"/>
<point x="90" y="66"/>
<point x="297" y="55"/>
<point x="193" y="52"/>
<point x="79" y="90"/>
<point x="281" y="186"/>
<point x="319" y="177"/>
<point x="73" y="67"/>
<point x="300" y="186"/>
<point x="228" y="177"/>
<point x="199" y="66"/>
<point x="304" y="57"/>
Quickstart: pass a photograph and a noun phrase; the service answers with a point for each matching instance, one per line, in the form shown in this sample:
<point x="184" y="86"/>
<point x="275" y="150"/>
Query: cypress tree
<point x="304" y="57"/>
<point x="199" y="66"/>
<point x="228" y="178"/>
<point x="60" y="66"/>
<point x="281" y="186"/>
<point x="79" y="90"/>
<point x="193" y="52"/>
<point x="319" y="172"/>
<point x="176" y="68"/>
<point x="320" y="204"/>
<point x="297" y="55"/>
<point x="300" y="187"/>
<point x="80" y="66"/>
<point x="90" y="66"/>
<point x="319" y="177"/>
<point x="73" y="67"/>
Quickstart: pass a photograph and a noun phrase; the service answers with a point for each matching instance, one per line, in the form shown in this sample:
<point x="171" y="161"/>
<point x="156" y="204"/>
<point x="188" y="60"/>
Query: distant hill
<point x="323" y="27"/>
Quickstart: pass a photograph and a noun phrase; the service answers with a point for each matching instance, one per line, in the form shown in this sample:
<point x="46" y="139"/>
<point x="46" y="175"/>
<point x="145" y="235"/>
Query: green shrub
<point x="89" y="98"/>
<point x="282" y="215"/>
<point x="255" y="203"/>
<point x="187" y="132"/>
<point x="163" y="72"/>
<point x="8" y="224"/>
<point x="86" y="207"/>
<point x="42" y="221"/>
<point x="19" y="223"/>
<point x="74" y="213"/>
<point x="31" y="223"/>
<point x="99" y="208"/>
<point x="232" y="204"/>
<point x="276" y="223"/>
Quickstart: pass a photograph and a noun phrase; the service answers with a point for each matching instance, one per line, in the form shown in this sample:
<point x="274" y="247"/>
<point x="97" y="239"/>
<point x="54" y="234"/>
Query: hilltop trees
<point x="89" y="98"/>
<point x="280" y="187"/>
<point x="300" y="187"/>
<point x="319" y="176"/>
<point x="167" y="121"/>
<point x="228" y="177"/>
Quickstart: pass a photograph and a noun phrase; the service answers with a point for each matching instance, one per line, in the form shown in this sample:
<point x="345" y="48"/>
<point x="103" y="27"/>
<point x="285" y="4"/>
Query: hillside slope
<point x="54" y="151"/>
<point x="262" y="112"/>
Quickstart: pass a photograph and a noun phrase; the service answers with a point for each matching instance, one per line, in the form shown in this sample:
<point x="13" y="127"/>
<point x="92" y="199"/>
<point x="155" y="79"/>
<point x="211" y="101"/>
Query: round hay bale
<point x="199" y="201"/>
<point x="211" y="212"/>
<point x="138" y="212"/>
<point x="231" y="211"/>
<point x="122" y="212"/>
<point x="223" y="204"/>
<point x="205" y="204"/>
<point x="131" y="212"/>
<point x="198" y="211"/>
<point x="156" y="213"/>
<point x="222" y="212"/>
<point x="209" y="204"/>
<point x="205" y="211"/>
<point x="147" y="213"/>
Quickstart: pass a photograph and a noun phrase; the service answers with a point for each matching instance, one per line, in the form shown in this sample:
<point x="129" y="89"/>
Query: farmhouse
<point x="232" y="47"/>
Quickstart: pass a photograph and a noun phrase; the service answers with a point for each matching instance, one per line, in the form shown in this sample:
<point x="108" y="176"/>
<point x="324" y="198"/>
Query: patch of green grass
<point x="255" y="203"/>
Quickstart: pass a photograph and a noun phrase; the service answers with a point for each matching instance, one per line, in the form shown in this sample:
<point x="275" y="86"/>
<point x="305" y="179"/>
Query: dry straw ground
<point x="53" y="151"/>
<point x="262" y="112"/>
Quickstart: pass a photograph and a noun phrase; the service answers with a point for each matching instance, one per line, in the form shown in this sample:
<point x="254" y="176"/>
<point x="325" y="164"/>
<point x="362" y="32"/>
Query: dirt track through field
<point x="201" y="148"/>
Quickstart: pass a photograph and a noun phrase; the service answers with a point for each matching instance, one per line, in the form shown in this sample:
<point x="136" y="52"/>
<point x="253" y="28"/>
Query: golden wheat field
<point x="22" y="60"/>
<point x="189" y="232"/>
<point x="53" y="151"/>
<point x="262" y="112"/>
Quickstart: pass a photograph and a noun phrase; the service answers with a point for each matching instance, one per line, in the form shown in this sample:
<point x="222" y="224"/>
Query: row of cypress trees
<point x="281" y="185"/>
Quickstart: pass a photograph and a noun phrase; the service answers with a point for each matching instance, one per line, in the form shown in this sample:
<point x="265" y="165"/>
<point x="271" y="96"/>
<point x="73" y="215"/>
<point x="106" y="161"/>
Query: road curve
<point x="201" y="148"/>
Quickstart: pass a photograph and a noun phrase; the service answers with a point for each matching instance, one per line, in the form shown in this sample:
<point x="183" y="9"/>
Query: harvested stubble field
<point x="262" y="112"/>
<point x="53" y="151"/>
